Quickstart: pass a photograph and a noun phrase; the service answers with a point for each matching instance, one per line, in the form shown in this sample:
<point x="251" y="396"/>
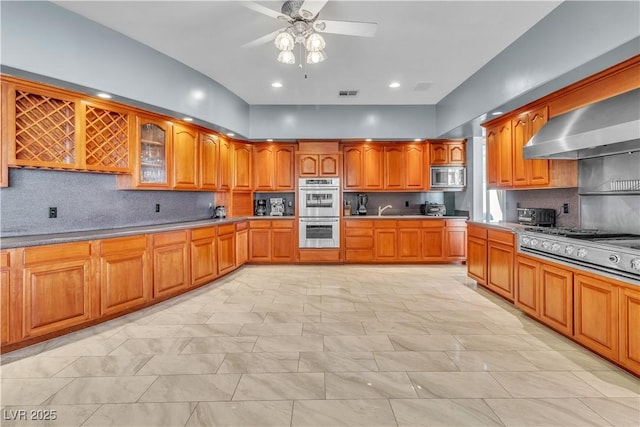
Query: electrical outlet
<point x="565" y="208"/>
<point x="53" y="212"/>
<point x="157" y="207"/>
<point x="406" y="204"/>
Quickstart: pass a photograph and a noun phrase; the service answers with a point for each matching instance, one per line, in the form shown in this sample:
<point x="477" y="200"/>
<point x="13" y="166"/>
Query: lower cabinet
<point x="629" y="333"/>
<point x="125" y="276"/>
<point x="389" y="240"/>
<point x="595" y="314"/>
<point x="272" y="240"/>
<point x="556" y="298"/>
<point x="500" y="259"/>
<point x="226" y="248"/>
<point x="6" y="282"/>
<point x="526" y="292"/>
<point x="57" y="283"/>
<point x="477" y="253"/>
<point x="204" y="262"/>
<point x="242" y="243"/>
<point x="171" y="272"/>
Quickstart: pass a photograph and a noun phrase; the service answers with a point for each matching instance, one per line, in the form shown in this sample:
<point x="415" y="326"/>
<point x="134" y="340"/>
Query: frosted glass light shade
<point x="316" y="57"/>
<point x="315" y="43"/>
<point x="284" y="41"/>
<point x="286" y="57"/>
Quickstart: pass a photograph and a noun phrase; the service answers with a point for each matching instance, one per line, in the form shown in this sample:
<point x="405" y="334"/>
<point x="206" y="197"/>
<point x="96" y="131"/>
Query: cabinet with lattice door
<point x="55" y="128"/>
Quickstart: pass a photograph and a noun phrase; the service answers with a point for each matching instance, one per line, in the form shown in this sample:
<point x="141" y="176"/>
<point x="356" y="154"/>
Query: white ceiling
<point x="438" y="44"/>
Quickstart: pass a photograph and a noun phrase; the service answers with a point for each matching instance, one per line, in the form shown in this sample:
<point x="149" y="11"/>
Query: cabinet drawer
<point x="476" y="231"/>
<point x="260" y="224"/>
<point x="435" y="223"/>
<point x="386" y="224"/>
<point x="242" y="226"/>
<point x="409" y="224"/>
<point x="172" y="238"/>
<point x="226" y="229"/>
<point x="5" y="261"/>
<point x="359" y="242"/>
<point x="203" y="233"/>
<point x="57" y="252"/>
<point x="356" y="232"/>
<point x="123" y="244"/>
<point x="282" y="223"/>
<point x="505" y="237"/>
<point x="358" y="224"/>
<point x="456" y="222"/>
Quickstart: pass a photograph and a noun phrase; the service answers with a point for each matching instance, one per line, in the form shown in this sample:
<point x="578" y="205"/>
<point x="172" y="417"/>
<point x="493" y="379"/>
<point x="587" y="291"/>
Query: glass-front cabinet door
<point x="154" y="143"/>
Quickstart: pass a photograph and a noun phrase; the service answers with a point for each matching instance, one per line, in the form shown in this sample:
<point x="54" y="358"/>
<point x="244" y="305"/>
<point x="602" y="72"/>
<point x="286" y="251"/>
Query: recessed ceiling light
<point x="270" y="140"/>
<point x="368" y="139"/>
<point x="187" y="119"/>
<point x="197" y="94"/>
<point x="104" y="95"/>
<point x="416" y="140"/>
<point x="497" y="113"/>
<point x="231" y="134"/>
<point x="394" y="85"/>
<point x="276" y="84"/>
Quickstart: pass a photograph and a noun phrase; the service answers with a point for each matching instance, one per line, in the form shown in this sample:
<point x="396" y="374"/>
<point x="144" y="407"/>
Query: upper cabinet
<point x="186" y="166"/>
<point x="448" y="153"/>
<point x="52" y="128"/>
<point x="506" y="166"/>
<point x="318" y="164"/>
<point x="242" y="154"/>
<point x="225" y="165"/>
<point x="385" y="166"/>
<point x="273" y="167"/>
<point x="152" y="170"/>
<point x="209" y="155"/>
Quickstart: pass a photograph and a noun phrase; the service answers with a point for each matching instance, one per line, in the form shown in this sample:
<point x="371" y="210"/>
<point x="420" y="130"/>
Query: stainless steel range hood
<point x="611" y="126"/>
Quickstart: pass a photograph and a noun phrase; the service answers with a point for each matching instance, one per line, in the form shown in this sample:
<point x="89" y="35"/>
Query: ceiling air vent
<point x="422" y="86"/>
<point x="348" y="93"/>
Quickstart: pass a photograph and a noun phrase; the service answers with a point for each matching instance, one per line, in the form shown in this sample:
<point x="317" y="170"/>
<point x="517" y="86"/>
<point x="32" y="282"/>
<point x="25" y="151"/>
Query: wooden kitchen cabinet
<point x="226" y="248"/>
<point x="318" y="165"/>
<point x="477" y="253"/>
<point x="204" y="262"/>
<point x="447" y="153"/>
<point x="273" y="167"/>
<point x="528" y="172"/>
<point x="272" y="241"/>
<point x="353" y="174"/>
<point x="358" y="240"/>
<point x="57" y="287"/>
<point x="556" y="298"/>
<point x="171" y="267"/>
<point x="363" y="166"/>
<point x="209" y="160"/>
<point x="6" y="307"/>
<point x="242" y="154"/>
<point x="595" y="314"/>
<point x="224" y="176"/>
<point x="404" y="167"/>
<point x="186" y="167"/>
<point x="629" y="322"/>
<point x="385" y="240"/>
<point x="491" y="142"/>
<point x="527" y="285"/>
<point x="505" y="155"/>
<point x="500" y="260"/>
<point x="242" y="243"/>
<point x="433" y="240"/>
<point x="394" y="172"/>
<point x="125" y="274"/>
<point x="409" y="240"/>
<point x="456" y="239"/>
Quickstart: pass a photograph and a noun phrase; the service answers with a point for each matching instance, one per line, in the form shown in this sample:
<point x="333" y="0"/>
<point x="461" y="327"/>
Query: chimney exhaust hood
<point x="611" y="126"/>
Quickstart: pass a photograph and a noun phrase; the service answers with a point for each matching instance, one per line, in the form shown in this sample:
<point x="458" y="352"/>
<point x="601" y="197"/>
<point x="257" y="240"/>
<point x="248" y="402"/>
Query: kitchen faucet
<point x="381" y="209"/>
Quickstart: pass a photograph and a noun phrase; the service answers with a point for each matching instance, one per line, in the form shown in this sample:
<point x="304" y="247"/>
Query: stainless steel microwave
<point x="449" y="177"/>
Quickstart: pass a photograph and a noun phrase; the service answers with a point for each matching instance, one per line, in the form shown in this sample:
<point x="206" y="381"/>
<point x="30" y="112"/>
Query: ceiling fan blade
<point x="361" y="29"/>
<point x="264" y="10"/>
<point x="262" y="40"/>
<point x="310" y="8"/>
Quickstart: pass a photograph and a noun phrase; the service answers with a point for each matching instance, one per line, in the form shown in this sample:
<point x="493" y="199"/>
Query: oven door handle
<point x="322" y="220"/>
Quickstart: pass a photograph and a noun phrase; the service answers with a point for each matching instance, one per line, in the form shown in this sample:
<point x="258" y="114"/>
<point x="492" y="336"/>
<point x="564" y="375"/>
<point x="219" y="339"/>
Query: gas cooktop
<point x="582" y="233"/>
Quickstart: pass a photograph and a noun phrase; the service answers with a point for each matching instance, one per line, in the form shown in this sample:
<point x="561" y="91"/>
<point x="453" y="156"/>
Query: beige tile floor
<point x="320" y="346"/>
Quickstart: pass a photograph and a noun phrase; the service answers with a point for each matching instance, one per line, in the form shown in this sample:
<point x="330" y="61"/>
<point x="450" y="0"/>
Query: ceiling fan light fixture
<point x="316" y="57"/>
<point x="286" y="57"/>
<point x="284" y="41"/>
<point x="315" y="42"/>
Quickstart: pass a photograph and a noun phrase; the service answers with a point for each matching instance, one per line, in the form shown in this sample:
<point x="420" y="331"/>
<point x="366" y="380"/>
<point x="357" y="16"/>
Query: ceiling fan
<point x="304" y="28"/>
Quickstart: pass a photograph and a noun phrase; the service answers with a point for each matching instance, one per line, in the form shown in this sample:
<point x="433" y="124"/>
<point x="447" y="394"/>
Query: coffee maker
<point x="277" y="206"/>
<point x="261" y="207"/>
<point x="362" y="204"/>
